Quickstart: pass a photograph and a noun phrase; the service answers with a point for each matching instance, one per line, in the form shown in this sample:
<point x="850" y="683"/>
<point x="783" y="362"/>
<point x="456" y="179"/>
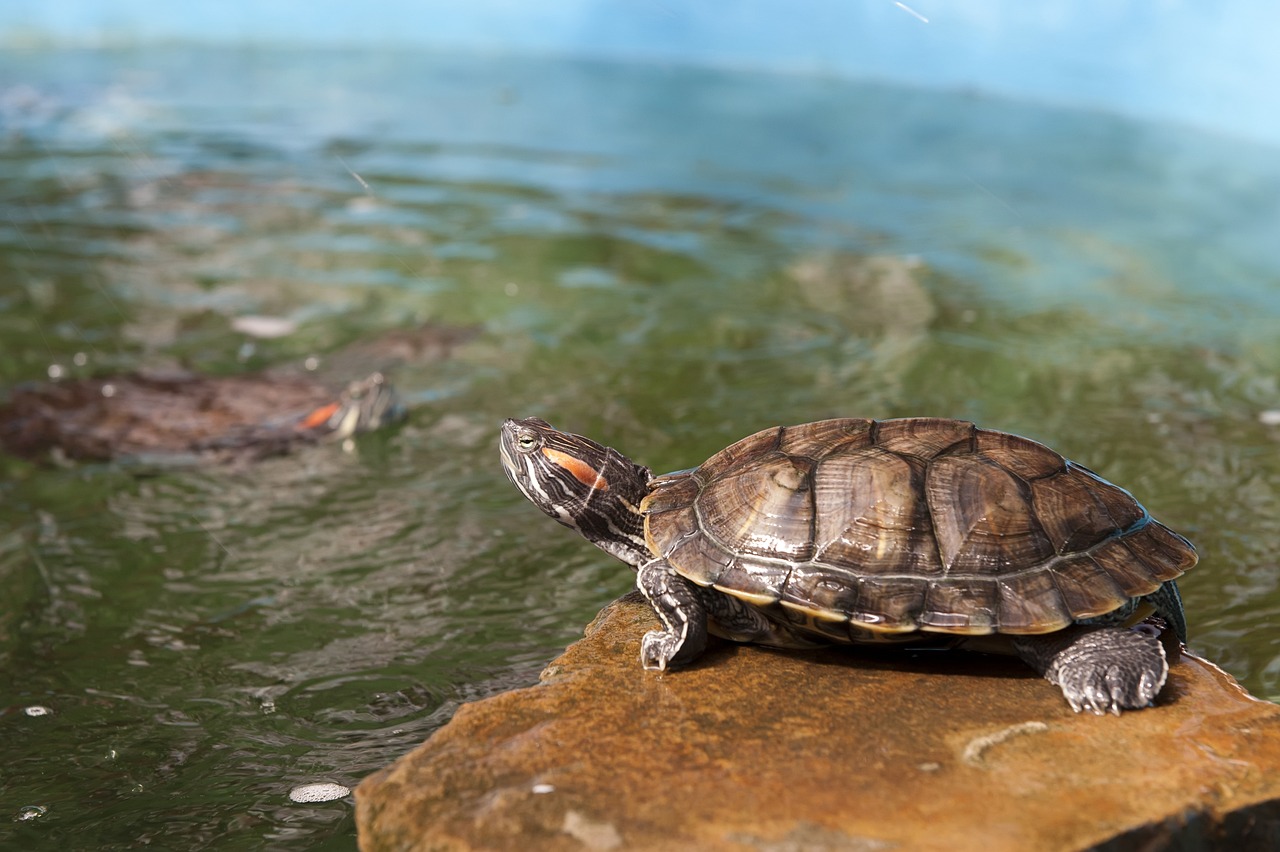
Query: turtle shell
<point x="864" y="529"/>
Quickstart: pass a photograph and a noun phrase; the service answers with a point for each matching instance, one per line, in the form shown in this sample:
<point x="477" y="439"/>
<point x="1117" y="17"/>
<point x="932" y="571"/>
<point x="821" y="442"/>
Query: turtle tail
<point x="1168" y="604"/>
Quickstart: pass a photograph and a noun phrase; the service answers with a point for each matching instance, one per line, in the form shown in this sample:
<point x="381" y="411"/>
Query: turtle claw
<point x="656" y="650"/>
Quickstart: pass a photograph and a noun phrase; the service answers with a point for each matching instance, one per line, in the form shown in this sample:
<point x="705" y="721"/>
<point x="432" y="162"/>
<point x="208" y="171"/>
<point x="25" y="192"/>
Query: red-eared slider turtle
<point x="861" y="531"/>
<point x="181" y="414"/>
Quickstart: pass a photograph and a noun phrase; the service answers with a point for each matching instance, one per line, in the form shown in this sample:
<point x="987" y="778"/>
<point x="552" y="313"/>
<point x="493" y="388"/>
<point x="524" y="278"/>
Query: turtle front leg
<point x="1098" y="669"/>
<point x="679" y="607"/>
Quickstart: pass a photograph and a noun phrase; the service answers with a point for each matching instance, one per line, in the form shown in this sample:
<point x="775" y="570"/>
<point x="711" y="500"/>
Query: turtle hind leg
<point x="678" y="604"/>
<point x="1098" y="669"/>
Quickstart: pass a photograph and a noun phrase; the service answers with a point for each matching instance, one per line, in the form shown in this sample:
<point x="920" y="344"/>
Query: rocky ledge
<point x="839" y="749"/>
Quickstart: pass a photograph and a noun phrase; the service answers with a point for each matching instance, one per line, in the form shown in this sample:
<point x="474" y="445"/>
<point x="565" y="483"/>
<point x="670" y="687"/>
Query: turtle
<point x="186" y="416"/>
<point x="912" y="530"/>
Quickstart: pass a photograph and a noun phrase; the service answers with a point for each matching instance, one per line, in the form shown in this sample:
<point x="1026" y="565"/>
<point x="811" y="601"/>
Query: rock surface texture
<point x="752" y="749"/>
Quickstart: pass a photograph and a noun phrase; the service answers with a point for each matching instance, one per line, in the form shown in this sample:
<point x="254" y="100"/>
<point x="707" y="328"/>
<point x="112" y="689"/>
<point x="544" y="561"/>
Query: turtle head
<point x="588" y="487"/>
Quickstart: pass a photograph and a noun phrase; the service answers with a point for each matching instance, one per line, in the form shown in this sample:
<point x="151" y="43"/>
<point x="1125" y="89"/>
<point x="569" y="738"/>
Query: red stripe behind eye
<point x="580" y="470"/>
<point x="318" y="416"/>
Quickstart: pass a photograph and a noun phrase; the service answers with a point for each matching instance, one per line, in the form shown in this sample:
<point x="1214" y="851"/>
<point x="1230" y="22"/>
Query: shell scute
<point x="970" y="606"/>
<point x="1124" y="510"/>
<point x="982" y="517"/>
<point x="747" y="449"/>
<point x="764" y="508"/>
<point x="760" y="583"/>
<point x="924" y="437"/>
<point x="699" y="559"/>
<point x="1031" y="603"/>
<point x="1165" y="553"/>
<point x="826" y="437"/>
<point x="1125" y="567"/>
<point x="889" y="604"/>
<point x="665" y="530"/>
<point x="1077" y="510"/>
<point x="872" y="513"/>
<point x="672" y="491"/>
<point x="831" y="592"/>
<point x="1020" y="456"/>
<point x="1087" y="588"/>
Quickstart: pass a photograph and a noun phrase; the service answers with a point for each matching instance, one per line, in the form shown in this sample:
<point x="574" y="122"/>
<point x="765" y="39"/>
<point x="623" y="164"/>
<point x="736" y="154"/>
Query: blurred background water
<point x="661" y="255"/>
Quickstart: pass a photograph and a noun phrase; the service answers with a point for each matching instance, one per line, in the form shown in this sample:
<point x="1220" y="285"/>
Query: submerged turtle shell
<point x="863" y="528"/>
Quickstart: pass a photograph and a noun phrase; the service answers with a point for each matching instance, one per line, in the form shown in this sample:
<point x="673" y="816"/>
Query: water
<point x="665" y="259"/>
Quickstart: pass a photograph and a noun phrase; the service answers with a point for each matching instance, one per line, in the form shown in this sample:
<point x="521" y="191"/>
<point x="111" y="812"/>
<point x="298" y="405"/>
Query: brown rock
<point x="838" y="749"/>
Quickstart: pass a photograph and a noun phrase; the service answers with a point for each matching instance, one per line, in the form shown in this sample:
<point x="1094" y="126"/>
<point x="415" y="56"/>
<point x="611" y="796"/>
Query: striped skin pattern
<point x="591" y="489"/>
<point x="862" y="530"/>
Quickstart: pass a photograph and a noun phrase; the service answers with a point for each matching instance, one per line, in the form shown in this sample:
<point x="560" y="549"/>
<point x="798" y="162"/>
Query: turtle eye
<point x="527" y="441"/>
